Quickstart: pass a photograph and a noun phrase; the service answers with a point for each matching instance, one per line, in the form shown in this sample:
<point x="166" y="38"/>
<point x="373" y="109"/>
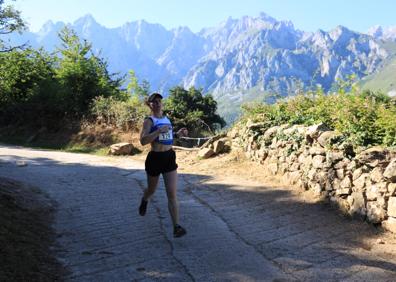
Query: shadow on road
<point x="313" y="240"/>
<point x="97" y="220"/>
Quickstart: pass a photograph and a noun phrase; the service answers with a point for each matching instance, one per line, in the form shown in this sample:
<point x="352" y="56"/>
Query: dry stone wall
<point x="317" y="159"/>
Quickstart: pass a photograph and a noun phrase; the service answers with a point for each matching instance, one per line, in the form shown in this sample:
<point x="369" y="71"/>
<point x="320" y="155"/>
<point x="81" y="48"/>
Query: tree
<point x="136" y="89"/>
<point x="82" y="75"/>
<point x="191" y="109"/>
<point x="10" y="21"/>
<point x="26" y="84"/>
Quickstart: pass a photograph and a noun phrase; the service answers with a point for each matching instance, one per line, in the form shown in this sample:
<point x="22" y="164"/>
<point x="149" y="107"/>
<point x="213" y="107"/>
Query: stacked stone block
<point x="361" y="182"/>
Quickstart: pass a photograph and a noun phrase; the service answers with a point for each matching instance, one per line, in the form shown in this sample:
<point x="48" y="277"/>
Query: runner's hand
<point x="182" y="132"/>
<point x="163" y="129"/>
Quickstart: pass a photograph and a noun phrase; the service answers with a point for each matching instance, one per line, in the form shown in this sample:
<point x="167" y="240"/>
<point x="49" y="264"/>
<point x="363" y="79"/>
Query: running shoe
<point x="143" y="207"/>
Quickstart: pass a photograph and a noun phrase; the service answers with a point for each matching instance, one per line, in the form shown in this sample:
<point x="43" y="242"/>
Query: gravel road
<point x="236" y="231"/>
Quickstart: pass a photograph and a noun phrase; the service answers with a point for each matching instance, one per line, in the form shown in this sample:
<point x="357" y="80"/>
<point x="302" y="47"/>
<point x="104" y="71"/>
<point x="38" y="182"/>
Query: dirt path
<point x="238" y="230"/>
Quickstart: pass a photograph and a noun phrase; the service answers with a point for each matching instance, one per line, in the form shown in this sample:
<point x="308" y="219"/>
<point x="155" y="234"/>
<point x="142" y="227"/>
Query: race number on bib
<point x="165" y="136"/>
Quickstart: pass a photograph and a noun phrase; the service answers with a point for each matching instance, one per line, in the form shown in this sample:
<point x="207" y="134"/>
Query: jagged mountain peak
<point x="284" y="25"/>
<point x="263" y="21"/>
<point x="341" y="33"/>
<point x="85" y="20"/>
<point x="89" y="28"/>
<point x="379" y="32"/>
<point x="320" y="34"/>
<point x="182" y="31"/>
<point x="248" y="23"/>
<point x="49" y="26"/>
<point x="375" y="31"/>
<point x="227" y="23"/>
<point x="85" y="25"/>
<point x="263" y="16"/>
<point x="244" y="24"/>
<point x="390" y="33"/>
<point x="338" y="30"/>
<point x="142" y="23"/>
<point x="319" y="38"/>
<point x="144" y="26"/>
<point x="259" y="53"/>
<point x="49" y="30"/>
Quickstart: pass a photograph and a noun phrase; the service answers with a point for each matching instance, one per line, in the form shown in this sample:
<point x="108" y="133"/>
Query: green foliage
<point x="134" y="88"/>
<point x="39" y="89"/>
<point x="27" y="84"/>
<point x="123" y="114"/>
<point x="386" y="124"/>
<point x="10" y="21"/>
<point x="82" y="75"/>
<point x="363" y="117"/>
<point x="22" y="74"/>
<point x="189" y="108"/>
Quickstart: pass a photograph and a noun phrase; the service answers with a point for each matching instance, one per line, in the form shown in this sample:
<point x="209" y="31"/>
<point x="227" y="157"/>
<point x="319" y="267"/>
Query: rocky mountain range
<point x="238" y="60"/>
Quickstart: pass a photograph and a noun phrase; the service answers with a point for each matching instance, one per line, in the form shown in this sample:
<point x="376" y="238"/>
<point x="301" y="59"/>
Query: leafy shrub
<point x="365" y="118"/>
<point x="189" y="108"/>
<point x="82" y="75"/>
<point x="27" y="87"/>
<point x="39" y="89"/>
<point x="386" y="125"/>
<point x="123" y="114"/>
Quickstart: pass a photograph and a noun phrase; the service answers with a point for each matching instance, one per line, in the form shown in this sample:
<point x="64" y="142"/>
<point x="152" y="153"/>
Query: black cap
<point x="153" y="96"/>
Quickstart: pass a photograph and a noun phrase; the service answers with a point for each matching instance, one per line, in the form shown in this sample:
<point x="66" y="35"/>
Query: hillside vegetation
<point x="59" y="94"/>
<point x="384" y="78"/>
<point x="364" y="118"/>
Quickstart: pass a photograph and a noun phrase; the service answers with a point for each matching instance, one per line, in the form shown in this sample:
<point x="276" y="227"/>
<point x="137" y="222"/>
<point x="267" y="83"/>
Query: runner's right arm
<point x="145" y="136"/>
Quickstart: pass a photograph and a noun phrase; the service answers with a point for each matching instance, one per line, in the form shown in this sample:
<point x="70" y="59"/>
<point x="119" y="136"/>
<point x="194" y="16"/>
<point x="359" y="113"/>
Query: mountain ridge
<point x="238" y="55"/>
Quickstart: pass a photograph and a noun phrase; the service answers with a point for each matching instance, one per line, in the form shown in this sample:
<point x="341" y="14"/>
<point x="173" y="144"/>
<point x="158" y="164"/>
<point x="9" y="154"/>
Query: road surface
<point x="237" y="231"/>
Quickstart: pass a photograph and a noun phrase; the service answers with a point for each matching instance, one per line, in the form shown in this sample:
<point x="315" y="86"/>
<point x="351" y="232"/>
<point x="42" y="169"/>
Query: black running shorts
<point x="160" y="162"/>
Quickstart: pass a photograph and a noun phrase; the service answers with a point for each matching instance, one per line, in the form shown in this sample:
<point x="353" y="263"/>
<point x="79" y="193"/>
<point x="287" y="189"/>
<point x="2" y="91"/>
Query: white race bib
<point x="165" y="136"/>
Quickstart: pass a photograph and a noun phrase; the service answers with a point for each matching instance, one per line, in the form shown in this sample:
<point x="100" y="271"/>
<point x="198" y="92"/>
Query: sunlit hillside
<point x="384" y="79"/>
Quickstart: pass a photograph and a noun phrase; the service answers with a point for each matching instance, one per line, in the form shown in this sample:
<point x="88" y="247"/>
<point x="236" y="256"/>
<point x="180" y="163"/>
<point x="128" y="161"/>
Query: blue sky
<point x="358" y="15"/>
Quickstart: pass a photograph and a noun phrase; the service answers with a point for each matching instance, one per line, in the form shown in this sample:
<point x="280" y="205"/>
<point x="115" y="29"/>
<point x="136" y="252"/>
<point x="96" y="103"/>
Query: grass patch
<point x="101" y="151"/>
<point x="79" y="148"/>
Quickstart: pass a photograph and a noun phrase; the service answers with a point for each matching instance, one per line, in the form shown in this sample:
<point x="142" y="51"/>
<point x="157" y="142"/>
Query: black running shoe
<point x="143" y="207"/>
<point x="179" y="231"/>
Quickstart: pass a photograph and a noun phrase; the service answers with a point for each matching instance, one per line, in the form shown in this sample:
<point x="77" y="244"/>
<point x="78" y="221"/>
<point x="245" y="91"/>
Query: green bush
<point x="386" y="125"/>
<point x="82" y="75"/>
<point x="28" y="90"/>
<point x="191" y="109"/>
<point x="364" y="118"/>
<point x="39" y="89"/>
<point x="122" y="114"/>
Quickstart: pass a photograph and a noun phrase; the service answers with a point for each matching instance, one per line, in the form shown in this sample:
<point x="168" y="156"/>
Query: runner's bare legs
<point x="152" y="183"/>
<point x="170" y="179"/>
